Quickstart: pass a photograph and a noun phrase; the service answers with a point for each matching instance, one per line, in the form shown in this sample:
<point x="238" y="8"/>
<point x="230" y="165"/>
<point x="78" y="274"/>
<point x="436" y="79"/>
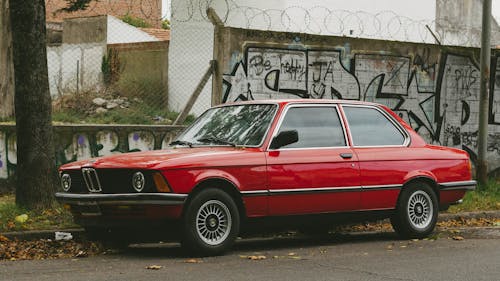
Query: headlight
<point x="138" y="181"/>
<point x="66" y="182"/>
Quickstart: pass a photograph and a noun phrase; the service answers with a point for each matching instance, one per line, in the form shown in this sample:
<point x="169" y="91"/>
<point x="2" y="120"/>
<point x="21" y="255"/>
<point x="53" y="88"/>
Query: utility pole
<point x="482" y="164"/>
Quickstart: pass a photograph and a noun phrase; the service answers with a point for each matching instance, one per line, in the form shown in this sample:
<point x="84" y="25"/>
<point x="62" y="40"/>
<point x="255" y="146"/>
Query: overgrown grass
<point x="142" y="108"/>
<point x="486" y="197"/>
<point x="36" y="220"/>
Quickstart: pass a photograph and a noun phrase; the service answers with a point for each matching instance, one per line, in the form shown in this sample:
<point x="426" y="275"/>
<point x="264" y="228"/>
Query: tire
<point x="416" y="211"/>
<point x="211" y="223"/>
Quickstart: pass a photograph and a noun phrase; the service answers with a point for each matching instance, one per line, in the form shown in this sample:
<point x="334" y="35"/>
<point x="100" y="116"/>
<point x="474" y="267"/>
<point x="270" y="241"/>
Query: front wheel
<point x="416" y="212"/>
<point x="211" y="223"/>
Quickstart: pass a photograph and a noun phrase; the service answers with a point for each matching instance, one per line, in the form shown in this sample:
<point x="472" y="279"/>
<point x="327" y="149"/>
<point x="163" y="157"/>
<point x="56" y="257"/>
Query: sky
<point x="418" y="10"/>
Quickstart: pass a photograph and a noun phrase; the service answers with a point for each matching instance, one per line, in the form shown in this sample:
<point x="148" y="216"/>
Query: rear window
<point x="369" y="127"/>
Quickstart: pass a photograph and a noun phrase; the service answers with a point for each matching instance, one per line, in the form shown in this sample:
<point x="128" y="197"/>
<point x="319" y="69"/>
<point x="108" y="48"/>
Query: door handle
<point x="346" y="155"/>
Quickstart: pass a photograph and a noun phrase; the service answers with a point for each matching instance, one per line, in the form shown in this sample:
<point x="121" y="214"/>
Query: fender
<point x="419" y="174"/>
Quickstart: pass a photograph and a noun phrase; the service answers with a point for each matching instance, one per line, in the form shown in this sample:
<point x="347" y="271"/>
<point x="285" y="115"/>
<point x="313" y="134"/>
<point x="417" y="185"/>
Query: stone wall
<point x="434" y="88"/>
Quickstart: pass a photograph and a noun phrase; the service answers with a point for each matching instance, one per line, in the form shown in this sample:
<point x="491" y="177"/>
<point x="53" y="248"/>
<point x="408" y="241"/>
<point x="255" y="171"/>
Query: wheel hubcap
<point x="420" y="211"/>
<point x="213" y="222"/>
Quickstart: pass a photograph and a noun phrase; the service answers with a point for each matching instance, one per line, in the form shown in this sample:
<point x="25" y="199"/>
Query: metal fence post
<point x="218" y="55"/>
<point x="482" y="165"/>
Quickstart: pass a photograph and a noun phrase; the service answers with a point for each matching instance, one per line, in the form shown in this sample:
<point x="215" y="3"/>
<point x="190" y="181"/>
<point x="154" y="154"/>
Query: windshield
<point x="244" y="125"/>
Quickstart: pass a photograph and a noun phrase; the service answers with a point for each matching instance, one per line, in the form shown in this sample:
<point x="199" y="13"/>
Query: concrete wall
<point x="142" y="64"/>
<point x="191" y="47"/>
<point x="458" y="22"/>
<point x="78" y="142"/>
<point x="434" y="88"/>
<point x="75" y="65"/>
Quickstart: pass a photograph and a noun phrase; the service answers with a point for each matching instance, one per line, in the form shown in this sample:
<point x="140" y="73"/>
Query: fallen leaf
<point x="254" y="258"/>
<point x="294" y="257"/>
<point x="154" y="267"/>
<point x="193" y="261"/>
<point x="402" y="246"/>
<point x="3" y="238"/>
<point x="292" y="254"/>
<point x="458" y="238"/>
<point x="81" y="254"/>
<point x="11" y="225"/>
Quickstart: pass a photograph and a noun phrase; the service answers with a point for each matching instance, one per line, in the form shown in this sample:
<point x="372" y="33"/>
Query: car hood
<point x="160" y="159"/>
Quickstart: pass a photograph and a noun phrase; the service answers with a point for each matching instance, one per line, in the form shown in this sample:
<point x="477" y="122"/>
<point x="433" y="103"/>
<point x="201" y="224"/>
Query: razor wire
<point x="323" y="20"/>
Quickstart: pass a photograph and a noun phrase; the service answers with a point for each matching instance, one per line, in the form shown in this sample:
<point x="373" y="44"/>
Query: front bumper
<point x="122" y="198"/>
<point x="125" y="209"/>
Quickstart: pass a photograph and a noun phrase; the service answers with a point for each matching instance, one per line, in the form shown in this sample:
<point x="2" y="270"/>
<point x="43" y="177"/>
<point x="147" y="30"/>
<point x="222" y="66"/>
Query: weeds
<point x="46" y="219"/>
<point x="486" y="197"/>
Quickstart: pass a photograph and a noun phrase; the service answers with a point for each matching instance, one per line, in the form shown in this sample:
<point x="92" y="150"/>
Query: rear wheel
<point x="416" y="212"/>
<point x="211" y="223"/>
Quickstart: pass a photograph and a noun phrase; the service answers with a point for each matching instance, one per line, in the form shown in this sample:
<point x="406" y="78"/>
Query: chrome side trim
<point x="123" y="198"/>
<point x="382" y="187"/>
<point x="458" y="185"/>
<point x="275" y="192"/>
<point x="315" y="190"/>
<point x="251" y="193"/>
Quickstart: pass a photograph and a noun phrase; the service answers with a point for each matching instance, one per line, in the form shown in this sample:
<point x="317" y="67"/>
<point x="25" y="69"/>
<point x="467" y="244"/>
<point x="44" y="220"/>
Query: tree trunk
<point x="36" y="168"/>
<point x="7" y="70"/>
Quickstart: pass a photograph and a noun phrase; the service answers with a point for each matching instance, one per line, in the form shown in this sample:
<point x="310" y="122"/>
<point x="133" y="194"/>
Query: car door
<point x="317" y="174"/>
<point x="381" y="145"/>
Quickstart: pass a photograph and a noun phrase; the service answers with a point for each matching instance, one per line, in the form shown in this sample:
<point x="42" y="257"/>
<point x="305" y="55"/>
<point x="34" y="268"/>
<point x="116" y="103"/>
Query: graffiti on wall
<point x="438" y="97"/>
<point x="85" y="145"/>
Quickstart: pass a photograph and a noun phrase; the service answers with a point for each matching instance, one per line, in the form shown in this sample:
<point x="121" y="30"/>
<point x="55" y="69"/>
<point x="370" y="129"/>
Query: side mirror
<point x="284" y="138"/>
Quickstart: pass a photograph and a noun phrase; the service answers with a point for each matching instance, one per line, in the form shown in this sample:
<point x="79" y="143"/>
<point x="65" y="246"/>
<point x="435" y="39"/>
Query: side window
<point x="369" y="127"/>
<point x="317" y="127"/>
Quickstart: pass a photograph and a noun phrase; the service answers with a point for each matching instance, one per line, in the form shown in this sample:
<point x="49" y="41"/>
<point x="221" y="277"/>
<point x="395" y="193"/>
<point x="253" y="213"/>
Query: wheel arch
<point x="425" y="179"/>
<point x="222" y="184"/>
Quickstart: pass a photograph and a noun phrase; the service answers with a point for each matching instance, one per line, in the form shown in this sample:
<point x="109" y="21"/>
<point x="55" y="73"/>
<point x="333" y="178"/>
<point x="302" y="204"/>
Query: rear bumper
<point x="460" y="185"/>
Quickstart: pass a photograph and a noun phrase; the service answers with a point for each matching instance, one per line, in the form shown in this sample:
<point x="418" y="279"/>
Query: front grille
<point x="109" y="181"/>
<point x="91" y="180"/>
<point x="77" y="182"/>
<point x="120" y="181"/>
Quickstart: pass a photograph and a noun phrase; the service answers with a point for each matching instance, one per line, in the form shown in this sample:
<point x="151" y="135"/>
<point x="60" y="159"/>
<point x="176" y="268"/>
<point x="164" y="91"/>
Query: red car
<point x="305" y="162"/>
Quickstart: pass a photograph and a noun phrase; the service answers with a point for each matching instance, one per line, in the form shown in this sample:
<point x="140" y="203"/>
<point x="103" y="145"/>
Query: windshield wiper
<point x="181" y="142"/>
<point x="216" y="141"/>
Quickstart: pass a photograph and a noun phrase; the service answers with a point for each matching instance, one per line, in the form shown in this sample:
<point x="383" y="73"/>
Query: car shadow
<point x="277" y="241"/>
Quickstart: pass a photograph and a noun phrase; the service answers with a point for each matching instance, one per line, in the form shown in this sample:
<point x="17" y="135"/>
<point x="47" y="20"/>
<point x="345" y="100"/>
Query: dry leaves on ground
<point x="465" y="222"/>
<point x="46" y="249"/>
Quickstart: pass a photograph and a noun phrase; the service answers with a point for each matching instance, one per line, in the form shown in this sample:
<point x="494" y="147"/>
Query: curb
<point x="42" y="234"/>
<point x="78" y="233"/>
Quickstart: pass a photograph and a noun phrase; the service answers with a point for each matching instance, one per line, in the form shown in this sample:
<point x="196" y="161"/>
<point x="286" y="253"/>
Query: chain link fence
<point x="108" y="63"/>
<point x="121" y="67"/>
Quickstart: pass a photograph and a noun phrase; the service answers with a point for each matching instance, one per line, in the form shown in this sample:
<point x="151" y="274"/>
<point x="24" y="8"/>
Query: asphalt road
<point x="373" y="256"/>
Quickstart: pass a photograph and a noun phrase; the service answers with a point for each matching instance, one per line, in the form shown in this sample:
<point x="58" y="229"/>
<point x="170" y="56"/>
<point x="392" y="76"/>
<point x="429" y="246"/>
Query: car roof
<point x="301" y="101"/>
